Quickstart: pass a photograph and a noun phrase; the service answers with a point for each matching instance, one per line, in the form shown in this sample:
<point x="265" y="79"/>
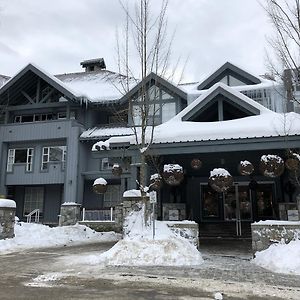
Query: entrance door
<point x="237" y="206"/>
<point x="264" y="208"/>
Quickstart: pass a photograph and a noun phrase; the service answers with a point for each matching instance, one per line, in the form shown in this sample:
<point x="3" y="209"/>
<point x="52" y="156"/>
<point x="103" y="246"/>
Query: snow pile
<point x="100" y="146"/>
<point x="280" y="258"/>
<point x="245" y="163"/>
<point x="219" y="172"/>
<point x="7" y="203"/>
<point x="138" y="248"/>
<point x="270" y="157"/>
<point x="169" y="168"/>
<point x="155" y="176"/>
<point x="132" y="193"/>
<point x="30" y="236"/>
<point x="101" y="181"/>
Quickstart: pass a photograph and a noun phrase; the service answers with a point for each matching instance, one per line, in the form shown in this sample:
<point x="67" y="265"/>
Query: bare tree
<point x="285" y="43"/>
<point x="146" y="48"/>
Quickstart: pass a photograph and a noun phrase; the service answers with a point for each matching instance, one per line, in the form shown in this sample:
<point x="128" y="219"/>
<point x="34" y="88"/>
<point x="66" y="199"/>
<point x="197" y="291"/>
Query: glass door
<point x="237" y="206"/>
<point x="264" y="202"/>
<point x="237" y="203"/>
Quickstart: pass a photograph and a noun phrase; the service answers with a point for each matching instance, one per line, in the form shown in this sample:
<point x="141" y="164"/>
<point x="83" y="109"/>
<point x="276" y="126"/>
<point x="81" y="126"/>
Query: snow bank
<point x="30" y="236"/>
<point x="138" y="248"/>
<point x="280" y="258"/>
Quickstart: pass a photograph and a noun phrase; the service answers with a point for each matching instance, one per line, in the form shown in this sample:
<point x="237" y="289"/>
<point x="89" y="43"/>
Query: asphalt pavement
<point x="48" y="274"/>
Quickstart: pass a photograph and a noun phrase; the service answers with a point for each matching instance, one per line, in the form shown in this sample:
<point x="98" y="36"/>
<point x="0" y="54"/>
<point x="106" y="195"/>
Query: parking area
<point x="49" y="274"/>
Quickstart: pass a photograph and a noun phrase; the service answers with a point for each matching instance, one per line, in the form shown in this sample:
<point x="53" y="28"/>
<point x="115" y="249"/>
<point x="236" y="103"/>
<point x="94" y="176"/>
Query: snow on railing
<point x="98" y="215"/>
<point x="36" y="214"/>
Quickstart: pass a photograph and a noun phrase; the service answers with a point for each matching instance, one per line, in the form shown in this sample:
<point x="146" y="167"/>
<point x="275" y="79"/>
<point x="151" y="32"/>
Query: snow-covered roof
<point x="3" y="79"/>
<point x="221" y="86"/>
<point x="102" y="132"/>
<point x="265" y="124"/>
<point x="97" y="86"/>
<point x="192" y="88"/>
<point x="45" y="75"/>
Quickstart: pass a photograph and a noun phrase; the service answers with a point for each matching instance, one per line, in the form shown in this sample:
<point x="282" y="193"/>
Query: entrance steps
<point x="223" y="230"/>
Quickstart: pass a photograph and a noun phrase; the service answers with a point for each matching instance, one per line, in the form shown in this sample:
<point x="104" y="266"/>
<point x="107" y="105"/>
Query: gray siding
<point x="52" y="202"/>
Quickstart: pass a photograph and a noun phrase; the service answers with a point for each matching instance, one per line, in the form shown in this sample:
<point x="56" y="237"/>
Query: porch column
<point x="71" y="171"/>
<point x="3" y="161"/>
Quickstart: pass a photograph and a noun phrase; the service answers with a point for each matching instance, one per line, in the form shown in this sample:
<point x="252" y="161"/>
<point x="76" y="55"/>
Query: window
<point x="112" y="196"/>
<point x="106" y="164"/>
<point x="168" y="111"/>
<point x="160" y="106"/>
<point x="40" y="117"/>
<point x="33" y="199"/>
<point x="20" y="156"/>
<point x="55" y="154"/>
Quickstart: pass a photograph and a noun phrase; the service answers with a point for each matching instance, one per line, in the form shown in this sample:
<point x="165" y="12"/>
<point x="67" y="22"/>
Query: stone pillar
<point x="69" y="214"/>
<point x="7" y="218"/>
<point x="119" y="216"/>
<point x="131" y="200"/>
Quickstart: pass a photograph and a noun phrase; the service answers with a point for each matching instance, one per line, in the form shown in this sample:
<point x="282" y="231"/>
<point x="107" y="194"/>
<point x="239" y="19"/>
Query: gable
<point x="33" y="86"/>
<point x="151" y="80"/>
<point x="220" y="104"/>
<point x="230" y="75"/>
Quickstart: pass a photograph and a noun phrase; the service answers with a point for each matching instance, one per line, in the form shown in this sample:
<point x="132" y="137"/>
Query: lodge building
<point x="49" y="125"/>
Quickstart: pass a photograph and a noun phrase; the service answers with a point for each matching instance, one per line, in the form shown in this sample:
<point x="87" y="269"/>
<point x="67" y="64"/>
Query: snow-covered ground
<point x="30" y="236"/>
<point x="280" y="258"/>
<point x="138" y="248"/>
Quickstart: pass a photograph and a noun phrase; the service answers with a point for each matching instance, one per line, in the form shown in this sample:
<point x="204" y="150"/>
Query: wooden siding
<point x="36" y="131"/>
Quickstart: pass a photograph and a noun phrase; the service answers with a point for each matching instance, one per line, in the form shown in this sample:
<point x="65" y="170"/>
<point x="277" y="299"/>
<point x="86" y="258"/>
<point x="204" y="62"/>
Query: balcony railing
<point x="98" y="215"/>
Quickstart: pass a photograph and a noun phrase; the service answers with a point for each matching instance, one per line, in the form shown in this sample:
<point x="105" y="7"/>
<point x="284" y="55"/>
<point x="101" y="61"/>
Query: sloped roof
<point x="221" y="88"/>
<point x="53" y="81"/>
<point x="161" y="81"/>
<point x="265" y="124"/>
<point x="97" y="86"/>
<point x="3" y="79"/>
<point x="105" y="132"/>
<point x="209" y="80"/>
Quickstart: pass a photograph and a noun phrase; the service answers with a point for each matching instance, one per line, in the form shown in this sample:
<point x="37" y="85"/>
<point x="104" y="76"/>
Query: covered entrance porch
<point x="231" y="213"/>
<point x="228" y="214"/>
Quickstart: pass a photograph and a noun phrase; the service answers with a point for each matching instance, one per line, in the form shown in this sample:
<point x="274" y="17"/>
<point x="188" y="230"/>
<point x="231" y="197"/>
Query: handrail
<point x="98" y="214"/>
<point x="36" y="214"/>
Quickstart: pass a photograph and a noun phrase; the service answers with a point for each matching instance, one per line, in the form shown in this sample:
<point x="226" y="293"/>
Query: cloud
<point x="59" y="34"/>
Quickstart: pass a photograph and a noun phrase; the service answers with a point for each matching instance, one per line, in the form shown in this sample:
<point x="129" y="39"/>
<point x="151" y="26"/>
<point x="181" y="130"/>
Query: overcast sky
<point x="58" y="34"/>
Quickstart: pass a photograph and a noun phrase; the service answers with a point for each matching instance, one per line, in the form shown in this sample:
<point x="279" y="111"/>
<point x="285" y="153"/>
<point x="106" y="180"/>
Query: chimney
<point x="92" y="65"/>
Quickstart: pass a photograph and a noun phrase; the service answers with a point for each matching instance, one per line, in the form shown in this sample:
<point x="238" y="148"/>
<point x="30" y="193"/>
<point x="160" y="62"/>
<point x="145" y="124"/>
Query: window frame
<point x="46" y="157"/>
<point x="11" y="156"/>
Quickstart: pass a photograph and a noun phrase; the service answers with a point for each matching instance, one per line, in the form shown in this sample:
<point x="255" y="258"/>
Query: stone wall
<point x="7" y="218"/>
<point x="186" y="229"/>
<point x="102" y="226"/>
<point x="69" y="214"/>
<point x="265" y="233"/>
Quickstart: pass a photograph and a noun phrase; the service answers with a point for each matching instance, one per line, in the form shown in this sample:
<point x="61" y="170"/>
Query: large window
<point x="53" y="154"/>
<point x="20" y="156"/>
<point x="33" y="199"/>
<point x="159" y="106"/>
